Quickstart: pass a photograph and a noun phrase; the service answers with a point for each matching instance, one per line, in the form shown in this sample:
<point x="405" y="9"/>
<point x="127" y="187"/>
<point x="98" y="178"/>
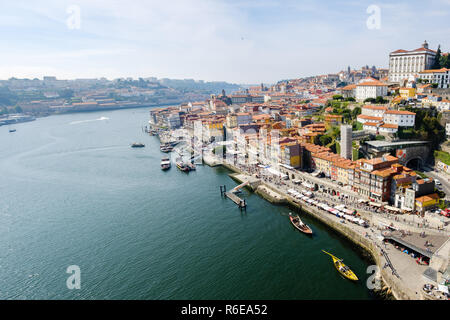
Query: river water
<point x="73" y="192"/>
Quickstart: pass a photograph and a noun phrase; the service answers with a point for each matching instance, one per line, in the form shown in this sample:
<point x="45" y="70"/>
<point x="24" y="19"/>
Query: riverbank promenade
<point x="402" y="275"/>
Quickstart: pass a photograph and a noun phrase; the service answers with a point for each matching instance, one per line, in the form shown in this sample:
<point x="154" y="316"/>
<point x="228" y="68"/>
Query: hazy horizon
<point x="242" y="42"/>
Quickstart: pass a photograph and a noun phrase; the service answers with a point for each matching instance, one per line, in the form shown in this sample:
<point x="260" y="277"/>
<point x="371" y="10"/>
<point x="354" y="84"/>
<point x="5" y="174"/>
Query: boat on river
<point x="183" y="166"/>
<point x="137" y="145"/>
<point x="299" y="225"/>
<point x="165" y="164"/>
<point x="342" y="268"/>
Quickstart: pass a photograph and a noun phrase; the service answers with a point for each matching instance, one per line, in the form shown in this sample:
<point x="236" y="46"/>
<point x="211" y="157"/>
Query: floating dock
<point x="230" y="195"/>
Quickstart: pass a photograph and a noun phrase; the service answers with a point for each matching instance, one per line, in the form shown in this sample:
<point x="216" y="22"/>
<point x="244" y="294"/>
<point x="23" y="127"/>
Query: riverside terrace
<point x="408" y="277"/>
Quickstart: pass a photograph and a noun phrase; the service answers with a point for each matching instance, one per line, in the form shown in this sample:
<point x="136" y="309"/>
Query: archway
<point x="414" y="163"/>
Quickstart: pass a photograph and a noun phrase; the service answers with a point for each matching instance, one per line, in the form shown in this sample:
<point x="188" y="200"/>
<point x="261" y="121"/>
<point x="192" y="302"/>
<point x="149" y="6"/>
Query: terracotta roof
<point x="435" y="70"/>
<point x="399" y="112"/>
<point x="363" y="116"/>
<point x="372" y="84"/>
<point x="375" y="107"/>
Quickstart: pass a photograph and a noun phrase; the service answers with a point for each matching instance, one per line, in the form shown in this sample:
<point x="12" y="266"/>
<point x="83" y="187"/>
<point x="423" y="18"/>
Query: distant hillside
<point x="199" y="86"/>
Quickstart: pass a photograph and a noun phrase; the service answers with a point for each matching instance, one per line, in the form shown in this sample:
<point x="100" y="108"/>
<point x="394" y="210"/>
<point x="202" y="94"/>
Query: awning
<point x="392" y="208"/>
<point x="443" y="288"/>
<point x="362" y="200"/>
<point x="375" y="204"/>
<point x="276" y="172"/>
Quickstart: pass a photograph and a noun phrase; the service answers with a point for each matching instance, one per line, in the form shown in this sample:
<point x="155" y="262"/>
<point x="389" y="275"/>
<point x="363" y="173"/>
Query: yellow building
<point x="427" y="202"/>
<point x="407" y="93"/>
<point x="332" y="120"/>
<point x="231" y="120"/>
<point x="291" y="154"/>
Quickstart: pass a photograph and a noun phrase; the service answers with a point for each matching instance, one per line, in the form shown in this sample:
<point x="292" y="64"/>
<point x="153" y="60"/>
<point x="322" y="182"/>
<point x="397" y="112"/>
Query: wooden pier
<point x="242" y="204"/>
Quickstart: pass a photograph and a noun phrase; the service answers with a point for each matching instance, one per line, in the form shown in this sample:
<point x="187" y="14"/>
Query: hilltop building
<point x="404" y="63"/>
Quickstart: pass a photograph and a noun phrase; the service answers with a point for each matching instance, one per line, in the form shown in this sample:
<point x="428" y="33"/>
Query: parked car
<point x="437" y="182"/>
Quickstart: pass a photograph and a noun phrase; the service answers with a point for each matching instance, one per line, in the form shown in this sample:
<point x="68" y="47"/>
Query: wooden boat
<point x="298" y="223"/>
<point x="342" y="268"/>
<point x="182" y="166"/>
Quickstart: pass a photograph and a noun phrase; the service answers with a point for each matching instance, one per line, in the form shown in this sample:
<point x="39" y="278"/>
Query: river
<point x="73" y="192"/>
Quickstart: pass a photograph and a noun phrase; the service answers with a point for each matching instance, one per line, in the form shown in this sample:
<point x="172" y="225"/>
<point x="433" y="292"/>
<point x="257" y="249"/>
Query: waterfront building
<point x="372" y="177"/>
<point x="427" y="202"/>
<point x="404" y="63"/>
<point x="291" y="154"/>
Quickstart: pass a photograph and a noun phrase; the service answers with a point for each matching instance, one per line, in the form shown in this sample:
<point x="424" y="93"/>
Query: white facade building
<point x="370" y="88"/>
<point x="404" y="63"/>
<point x="440" y="76"/>
<point x="399" y="118"/>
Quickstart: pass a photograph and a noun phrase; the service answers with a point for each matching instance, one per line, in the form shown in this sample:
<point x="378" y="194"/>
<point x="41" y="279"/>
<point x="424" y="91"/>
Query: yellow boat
<point x="342" y="268"/>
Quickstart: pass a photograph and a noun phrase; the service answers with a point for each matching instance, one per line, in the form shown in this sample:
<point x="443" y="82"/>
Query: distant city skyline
<point x="244" y="42"/>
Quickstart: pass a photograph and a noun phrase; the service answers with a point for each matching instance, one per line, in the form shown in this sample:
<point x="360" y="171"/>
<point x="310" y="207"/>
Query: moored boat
<point x="299" y="225"/>
<point x="165" y="164"/>
<point x="182" y="166"/>
<point x="342" y="268"/>
<point x="166" y="148"/>
<point x="12" y="130"/>
<point x="191" y="166"/>
<point x="137" y="145"/>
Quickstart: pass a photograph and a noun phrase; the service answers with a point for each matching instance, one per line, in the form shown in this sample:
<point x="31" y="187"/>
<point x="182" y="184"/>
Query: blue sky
<point x="237" y="41"/>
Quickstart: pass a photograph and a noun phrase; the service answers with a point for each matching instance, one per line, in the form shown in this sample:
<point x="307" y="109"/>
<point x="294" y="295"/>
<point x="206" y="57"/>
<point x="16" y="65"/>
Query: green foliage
<point x="437" y="60"/>
<point x="18" y="109"/>
<point x="380" y="137"/>
<point x="325" y="139"/>
<point x="378" y="100"/>
<point x="355" y="154"/>
<point x="356" y="126"/>
<point x="350" y="99"/>
<point x="7" y="97"/>
<point x="445" y="61"/>
<point x="427" y="127"/>
<point x="442" y="156"/>
<point x="356" y="112"/>
<point x="338" y="97"/>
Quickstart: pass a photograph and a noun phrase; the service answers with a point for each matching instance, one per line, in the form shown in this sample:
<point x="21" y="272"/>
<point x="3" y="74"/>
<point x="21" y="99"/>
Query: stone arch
<point x="414" y="162"/>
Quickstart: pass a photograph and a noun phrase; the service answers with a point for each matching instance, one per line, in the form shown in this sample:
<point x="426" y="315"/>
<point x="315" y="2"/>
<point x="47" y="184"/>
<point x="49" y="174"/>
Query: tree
<point x="380" y="100"/>
<point x="350" y="99"/>
<point x="445" y="61"/>
<point x="18" y="109"/>
<point x="437" y="60"/>
<point x="325" y="139"/>
<point x="371" y="100"/>
<point x="356" y="111"/>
